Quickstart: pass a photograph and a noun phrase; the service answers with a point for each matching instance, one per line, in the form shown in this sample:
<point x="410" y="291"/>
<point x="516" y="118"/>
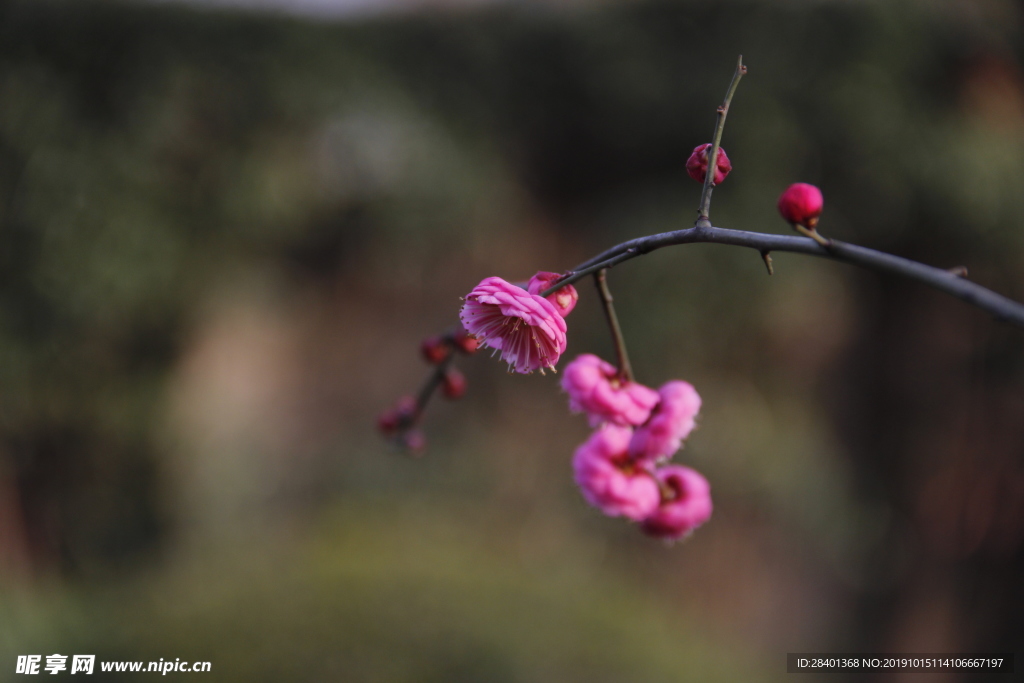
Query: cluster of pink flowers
<point x="621" y="469"/>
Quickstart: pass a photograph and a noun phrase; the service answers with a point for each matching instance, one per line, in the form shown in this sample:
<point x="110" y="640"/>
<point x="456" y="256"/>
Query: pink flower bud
<point x="453" y="385"/>
<point x="697" y="164"/>
<point x="564" y="298"/>
<point x="801" y="204"/>
<point x="435" y="349"/>
<point x="609" y="481"/>
<point x="685" y="503"/>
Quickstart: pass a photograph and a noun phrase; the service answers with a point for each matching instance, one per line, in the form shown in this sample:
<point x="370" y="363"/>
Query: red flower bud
<point x="454" y="384"/>
<point x="801" y="204"/>
<point x="697" y="164"/>
<point x="465" y="342"/>
<point x="398" y="417"/>
<point x="435" y="349"/>
<point x="387" y="422"/>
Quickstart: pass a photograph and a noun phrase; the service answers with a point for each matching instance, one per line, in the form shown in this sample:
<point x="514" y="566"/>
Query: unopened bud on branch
<point x="697" y="164"/>
<point x="801" y="204"/>
<point x="387" y="422"/>
<point x="454" y="384"/>
<point x="435" y="349"/>
<point x="398" y="417"/>
<point x="465" y="342"/>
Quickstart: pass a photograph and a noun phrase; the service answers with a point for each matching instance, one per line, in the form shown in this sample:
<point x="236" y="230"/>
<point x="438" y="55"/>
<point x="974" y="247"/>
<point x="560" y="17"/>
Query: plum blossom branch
<point x="625" y="369"/>
<point x="528" y="329"/>
<point x="434" y="380"/>
<point x="400" y="422"/>
<point x="948" y="281"/>
<point x="723" y="111"/>
<point x="801" y="209"/>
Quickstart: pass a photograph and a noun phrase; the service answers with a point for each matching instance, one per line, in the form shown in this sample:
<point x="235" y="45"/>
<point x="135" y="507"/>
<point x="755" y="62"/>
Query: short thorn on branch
<point x="767" y="256"/>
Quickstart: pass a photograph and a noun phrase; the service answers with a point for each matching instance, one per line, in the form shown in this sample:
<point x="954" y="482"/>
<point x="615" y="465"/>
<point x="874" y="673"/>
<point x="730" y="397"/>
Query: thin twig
<point x="580" y="273"/>
<point x="433" y="381"/>
<point x="625" y="369"/>
<point x="716" y="141"/>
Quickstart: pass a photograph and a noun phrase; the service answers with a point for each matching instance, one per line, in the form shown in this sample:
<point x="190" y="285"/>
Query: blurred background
<point x="225" y="228"/>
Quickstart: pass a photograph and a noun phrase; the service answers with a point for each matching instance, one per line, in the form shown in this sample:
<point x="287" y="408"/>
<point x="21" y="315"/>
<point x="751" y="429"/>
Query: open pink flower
<point x="525" y="328"/>
<point x="608" y="479"/>
<point x="685" y="504"/>
<point x="672" y="421"/>
<point x="594" y="388"/>
<point x="564" y="298"/>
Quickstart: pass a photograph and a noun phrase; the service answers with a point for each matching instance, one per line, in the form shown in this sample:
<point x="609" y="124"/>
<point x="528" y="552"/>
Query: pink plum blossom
<point x="525" y="328"/>
<point x="685" y="504"/>
<point x="564" y="298"/>
<point x="671" y="421"/>
<point x="608" y="478"/>
<point x="595" y="388"/>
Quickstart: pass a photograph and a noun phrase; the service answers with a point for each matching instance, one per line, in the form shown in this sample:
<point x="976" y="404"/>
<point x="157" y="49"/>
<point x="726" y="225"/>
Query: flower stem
<point x="723" y="111"/>
<point x="625" y="369"/>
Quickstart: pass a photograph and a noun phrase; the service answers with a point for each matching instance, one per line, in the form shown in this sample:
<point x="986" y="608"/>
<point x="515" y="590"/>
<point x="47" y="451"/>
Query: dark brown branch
<point x="998" y="305"/>
<point x="433" y="381"/>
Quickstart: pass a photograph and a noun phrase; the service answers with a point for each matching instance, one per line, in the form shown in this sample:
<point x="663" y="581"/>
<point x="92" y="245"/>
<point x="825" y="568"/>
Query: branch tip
<point x="716" y="140"/>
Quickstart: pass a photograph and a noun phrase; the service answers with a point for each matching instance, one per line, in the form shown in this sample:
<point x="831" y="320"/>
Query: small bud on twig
<point x="465" y="342"/>
<point x="801" y="205"/>
<point x="454" y="384"/>
<point x="697" y="164"/>
<point x="435" y="349"/>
